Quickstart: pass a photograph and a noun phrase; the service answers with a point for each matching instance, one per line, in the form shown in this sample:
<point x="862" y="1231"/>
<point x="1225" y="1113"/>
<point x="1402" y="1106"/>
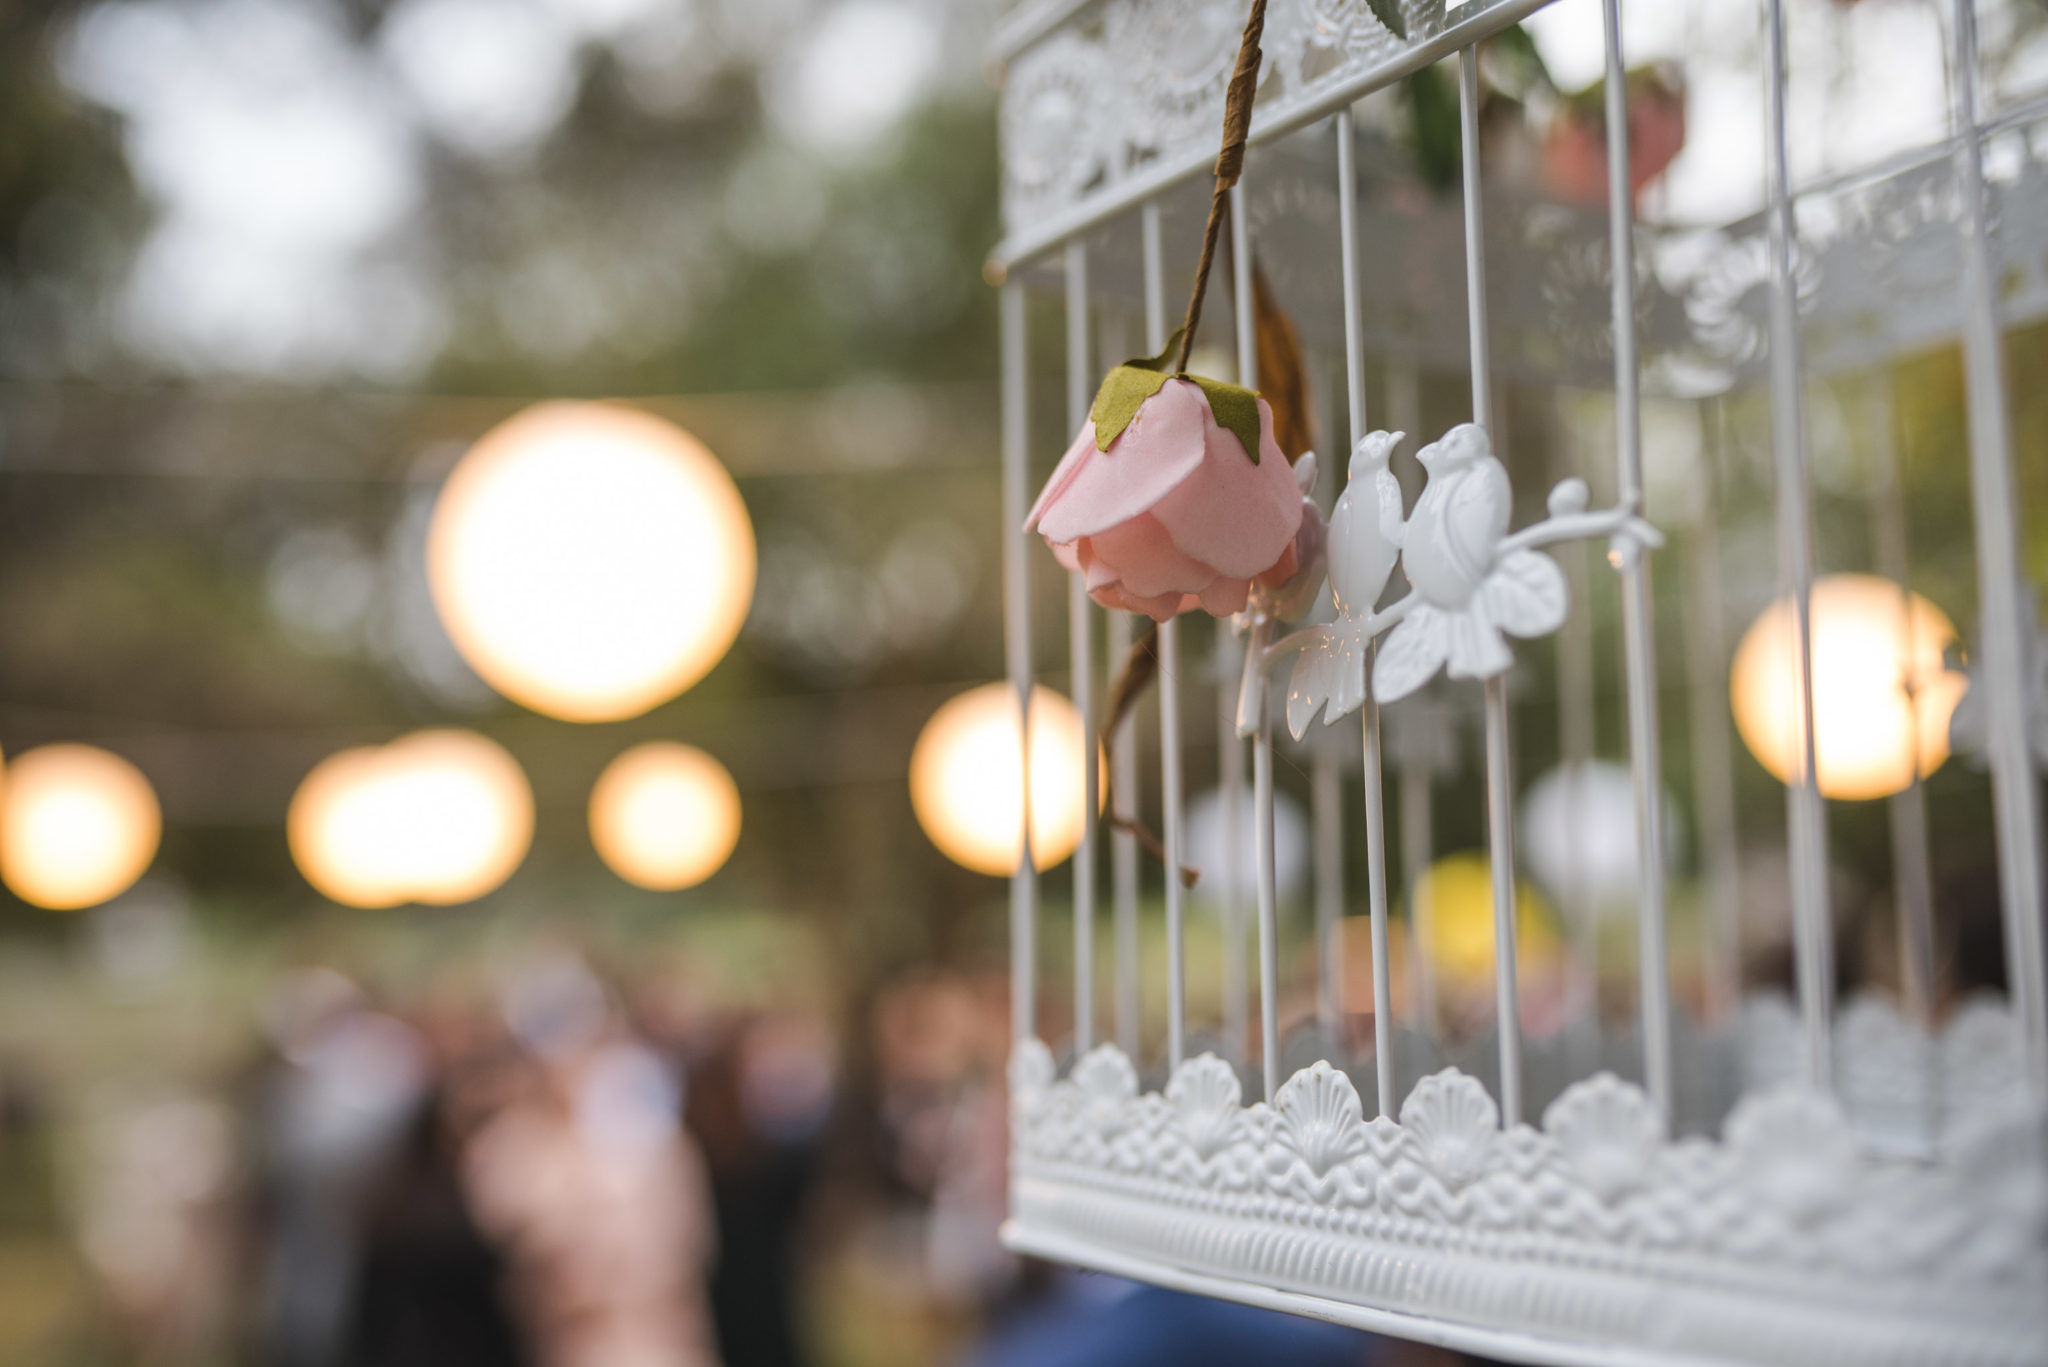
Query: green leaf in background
<point x="1236" y="410"/>
<point x="1123" y="393"/>
<point x="1388" y="12"/>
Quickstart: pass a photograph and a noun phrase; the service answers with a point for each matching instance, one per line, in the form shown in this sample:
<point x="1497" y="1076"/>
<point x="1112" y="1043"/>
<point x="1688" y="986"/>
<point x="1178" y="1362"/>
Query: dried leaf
<point x="1136" y="673"/>
<point x="1283" y="379"/>
<point x="1236" y="410"/>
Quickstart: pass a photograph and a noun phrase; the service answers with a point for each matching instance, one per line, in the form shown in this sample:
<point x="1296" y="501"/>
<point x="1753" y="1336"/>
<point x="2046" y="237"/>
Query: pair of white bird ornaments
<point x="1471" y="582"/>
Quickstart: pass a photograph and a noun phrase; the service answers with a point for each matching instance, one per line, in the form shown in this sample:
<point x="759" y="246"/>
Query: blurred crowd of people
<point x="569" y="1165"/>
<point x="571" y="1180"/>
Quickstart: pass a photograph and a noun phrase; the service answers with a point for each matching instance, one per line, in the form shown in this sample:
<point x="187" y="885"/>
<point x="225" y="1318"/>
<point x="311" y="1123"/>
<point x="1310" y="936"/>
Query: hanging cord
<point x="1237" y="124"/>
<point x="1141" y="666"/>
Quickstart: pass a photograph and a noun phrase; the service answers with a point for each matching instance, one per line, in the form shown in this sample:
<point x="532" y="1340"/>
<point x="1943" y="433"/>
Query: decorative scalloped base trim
<point x="1593" y="1239"/>
<point x="1022" y="1237"/>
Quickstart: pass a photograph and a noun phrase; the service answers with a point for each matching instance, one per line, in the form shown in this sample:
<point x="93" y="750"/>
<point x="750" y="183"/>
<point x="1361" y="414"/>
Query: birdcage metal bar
<point x="1638" y="642"/>
<point x="1713" y="778"/>
<point x="1228" y="663"/>
<point x="1016" y="544"/>
<point x="1081" y="664"/>
<point x="1912" y="876"/>
<point x="1996" y="513"/>
<point x="1806" y="818"/>
<point x="1500" y="795"/>
<point x="1371" y="780"/>
<point x="1417" y="784"/>
<point x="1170" y="790"/>
<point x="1266" y="893"/>
<point x="1123" y="849"/>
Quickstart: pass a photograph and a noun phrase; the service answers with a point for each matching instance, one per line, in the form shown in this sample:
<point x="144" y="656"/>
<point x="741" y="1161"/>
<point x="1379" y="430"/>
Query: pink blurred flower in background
<point x="1175" y="514"/>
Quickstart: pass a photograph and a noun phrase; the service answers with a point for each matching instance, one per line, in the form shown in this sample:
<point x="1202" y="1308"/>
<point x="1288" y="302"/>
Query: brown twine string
<point x="1237" y="124"/>
<point x="1142" y="664"/>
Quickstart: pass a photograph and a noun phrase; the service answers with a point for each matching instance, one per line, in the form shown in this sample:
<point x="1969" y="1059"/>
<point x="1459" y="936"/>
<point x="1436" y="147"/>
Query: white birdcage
<point x="1757" y="1177"/>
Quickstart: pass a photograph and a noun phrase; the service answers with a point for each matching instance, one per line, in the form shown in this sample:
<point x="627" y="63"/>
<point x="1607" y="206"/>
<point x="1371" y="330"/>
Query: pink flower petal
<point x="1228" y="513"/>
<point x="1223" y="596"/>
<point x="1092" y="491"/>
<point x="1148" y="561"/>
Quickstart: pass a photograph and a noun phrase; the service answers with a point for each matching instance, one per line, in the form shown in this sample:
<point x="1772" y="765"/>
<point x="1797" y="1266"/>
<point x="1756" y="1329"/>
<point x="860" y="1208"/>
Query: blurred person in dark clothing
<point x="758" y="1099"/>
<point x="430" y="1291"/>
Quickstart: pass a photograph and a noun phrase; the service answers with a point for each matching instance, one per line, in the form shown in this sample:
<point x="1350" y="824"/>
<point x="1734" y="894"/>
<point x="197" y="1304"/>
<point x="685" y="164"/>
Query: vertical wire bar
<point x="1326" y="816"/>
<point x="1912" y="879"/>
<point x="1417" y="841"/>
<point x="1576" y="726"/>
<point x="1376" y="885"/>
<point x="1995" y="515"/>
<point x="1262" y="735"/>
<point x="1269" y="921"/>
<point x="1112" y="341"/>
<point x="1123" y="852"/>
<point x="1418" y="838"/>
<point x="1375" y="798"/>
<point x="1169" y="695"/>
<point x="1646" y="766"/>
<point x="1500" y="803"/>
<point x="1017" y="652"/>
<point x="1713" y="778"/>
<point x="1230" y="859"/>
<point x="1475" y="238"/>
<point x="1081" y="655"/>
<point x="1500" y="837"/>
<point x="1806" y="816"/>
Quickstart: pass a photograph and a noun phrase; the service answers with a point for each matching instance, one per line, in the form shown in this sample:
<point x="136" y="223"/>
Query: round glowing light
<point x="1458" y="891"/>
<point x="78" y="826"/>
<point x="665" y="816"/>
<point x="438" y="817"/>
<point x="967" y="779"/>
<point x="1881" y="697"/>
<point x="590" y="561"/>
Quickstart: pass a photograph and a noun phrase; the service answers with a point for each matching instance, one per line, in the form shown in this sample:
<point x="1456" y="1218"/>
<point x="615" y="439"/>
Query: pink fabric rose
<point x="1174" y="515"/>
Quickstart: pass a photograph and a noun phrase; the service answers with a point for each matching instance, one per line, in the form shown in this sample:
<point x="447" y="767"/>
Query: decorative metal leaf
<point x="1412" y="654"/>
<point x="1313" y="683"/>
<point x="1388" y="12"/>
<point x="1525" y="594"/>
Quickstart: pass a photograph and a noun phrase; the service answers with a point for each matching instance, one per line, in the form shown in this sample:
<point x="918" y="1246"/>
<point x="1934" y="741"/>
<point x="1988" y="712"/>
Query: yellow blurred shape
<point x="78" y="826"/>
<point x="665" y="815"/>
<point x="967" y="779"/>
<point x="590" y="561"/>
<point x="1881" y="697"/>
<point x="438" y="817"/>
<point x="1459" y="893"/>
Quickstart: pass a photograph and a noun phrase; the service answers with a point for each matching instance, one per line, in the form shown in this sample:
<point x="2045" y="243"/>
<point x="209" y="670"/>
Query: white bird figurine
<point x="1365" y="526"/>
<point x="1470" y="591"/>
<point x="1459" y="520"/>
